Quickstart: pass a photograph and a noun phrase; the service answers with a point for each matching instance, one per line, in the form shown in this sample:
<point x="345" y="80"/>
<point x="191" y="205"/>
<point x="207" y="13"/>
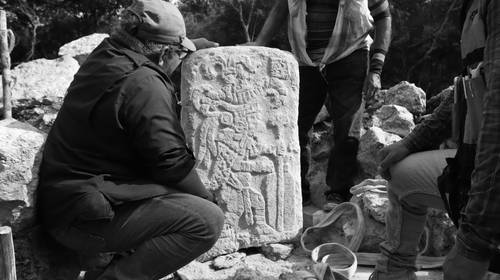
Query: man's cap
<point x="160" y="22"/>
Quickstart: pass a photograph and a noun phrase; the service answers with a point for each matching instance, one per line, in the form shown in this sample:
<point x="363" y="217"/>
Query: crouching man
<point x="117" y="175"/>
<point x="416" y="176"/>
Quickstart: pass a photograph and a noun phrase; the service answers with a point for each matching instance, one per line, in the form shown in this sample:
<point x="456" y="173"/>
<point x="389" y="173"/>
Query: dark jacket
<point x="117" y="138"/>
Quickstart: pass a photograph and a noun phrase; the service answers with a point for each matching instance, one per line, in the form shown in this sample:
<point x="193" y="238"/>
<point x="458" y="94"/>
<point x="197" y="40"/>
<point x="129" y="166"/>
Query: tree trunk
<point x="7" y="258"/>
<point x="5" y="64"/>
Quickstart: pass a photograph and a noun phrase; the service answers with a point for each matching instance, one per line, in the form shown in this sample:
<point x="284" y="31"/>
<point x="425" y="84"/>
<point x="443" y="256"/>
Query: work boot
<point x="404" y="227"/>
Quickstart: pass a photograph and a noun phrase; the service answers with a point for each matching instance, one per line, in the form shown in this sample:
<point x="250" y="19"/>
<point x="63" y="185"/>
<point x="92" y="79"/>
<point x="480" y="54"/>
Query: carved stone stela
<point x="239" y="114"/>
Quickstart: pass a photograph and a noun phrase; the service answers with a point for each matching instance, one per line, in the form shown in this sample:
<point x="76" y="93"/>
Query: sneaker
<point x="393" y="275"/>
<point x="332" y="200"/>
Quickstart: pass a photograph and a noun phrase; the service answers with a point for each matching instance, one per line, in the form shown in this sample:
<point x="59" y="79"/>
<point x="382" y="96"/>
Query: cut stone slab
<point x="80" y="48"/>
<point x="20" y="155"/>
<point x="239" y="114"/>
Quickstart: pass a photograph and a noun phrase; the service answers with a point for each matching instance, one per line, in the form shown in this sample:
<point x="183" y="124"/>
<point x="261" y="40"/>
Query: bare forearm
<point x="274" y="21"/>
<point x="381" y="44"/>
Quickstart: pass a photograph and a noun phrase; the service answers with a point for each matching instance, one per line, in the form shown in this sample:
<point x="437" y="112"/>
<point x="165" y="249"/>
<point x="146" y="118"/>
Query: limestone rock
<point x="371" y="196"/>
<point x="442" y="233"/>
<point x="250" y="274"/>
<point x="433" y="102"/>
<point x="371" y="142"/>
<point x="394" y="119"/>
<point x="228" y="261"/>
<point x="277" y="251"/>
<point x="376" y="204"/>
<point x="42" y="79"/>
<point x="253" y="267"/>
<point x="39" y="113"/>
<point x="320" y="146"/>
<point x="239" y="114"/>
<point x="407" y="95"/>
<point x="20" y="155"/>
<point x="79" y="49"/>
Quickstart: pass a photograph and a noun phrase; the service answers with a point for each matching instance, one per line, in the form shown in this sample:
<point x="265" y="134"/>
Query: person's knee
<point x="215" y="223"/>
<point x="400" y="172"/>
<point x="208" y="224"/>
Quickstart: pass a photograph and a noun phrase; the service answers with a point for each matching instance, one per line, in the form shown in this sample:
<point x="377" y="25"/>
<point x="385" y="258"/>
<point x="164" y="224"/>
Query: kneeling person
<point x="413" y="171"/>
<point x="116" y="174"/>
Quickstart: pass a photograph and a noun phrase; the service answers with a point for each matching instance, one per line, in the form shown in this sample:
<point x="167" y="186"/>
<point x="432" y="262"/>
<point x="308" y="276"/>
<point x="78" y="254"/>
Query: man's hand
<point x="389" y="156"/>
<point x="202" y="43"/>
<point x="458" y="267"/>
<point x="372" y="86"/>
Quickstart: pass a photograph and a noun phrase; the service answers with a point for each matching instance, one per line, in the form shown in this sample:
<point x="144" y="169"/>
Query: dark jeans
<point x="163" y="233"/>
<point x="342" y="82"/>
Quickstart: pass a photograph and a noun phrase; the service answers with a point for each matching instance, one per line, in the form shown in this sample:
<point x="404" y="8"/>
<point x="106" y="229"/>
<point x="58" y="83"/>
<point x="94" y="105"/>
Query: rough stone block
<point x="42" y="79"/>
<point x="394" y="119"/>
<point x="239" y="114"/>
<point x="80" y="49"/>
<point x="277" y="251"/>
<point x="407" y="95"/>
<point x="20" y="155"/>
<point x="371" y="142"/>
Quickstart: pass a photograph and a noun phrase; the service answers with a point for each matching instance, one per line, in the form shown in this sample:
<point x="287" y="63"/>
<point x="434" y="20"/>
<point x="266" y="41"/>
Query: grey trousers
<point x="412" y="189"/>
<point x="163" y="234"/>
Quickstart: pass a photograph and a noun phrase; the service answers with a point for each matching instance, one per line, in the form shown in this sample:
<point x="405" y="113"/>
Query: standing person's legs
<point x="412" y="189"/>
<point x="163" y="233"/>
<point x="311" y="98"/>
<point x="345" y="84"/>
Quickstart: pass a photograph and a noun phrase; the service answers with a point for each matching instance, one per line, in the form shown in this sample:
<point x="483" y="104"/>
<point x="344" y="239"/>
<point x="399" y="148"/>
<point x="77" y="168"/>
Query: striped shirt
<point x="321" y="18"/>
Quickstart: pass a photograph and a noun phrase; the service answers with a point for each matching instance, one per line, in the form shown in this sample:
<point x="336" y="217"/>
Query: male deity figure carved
<point x="241" y="121"/>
